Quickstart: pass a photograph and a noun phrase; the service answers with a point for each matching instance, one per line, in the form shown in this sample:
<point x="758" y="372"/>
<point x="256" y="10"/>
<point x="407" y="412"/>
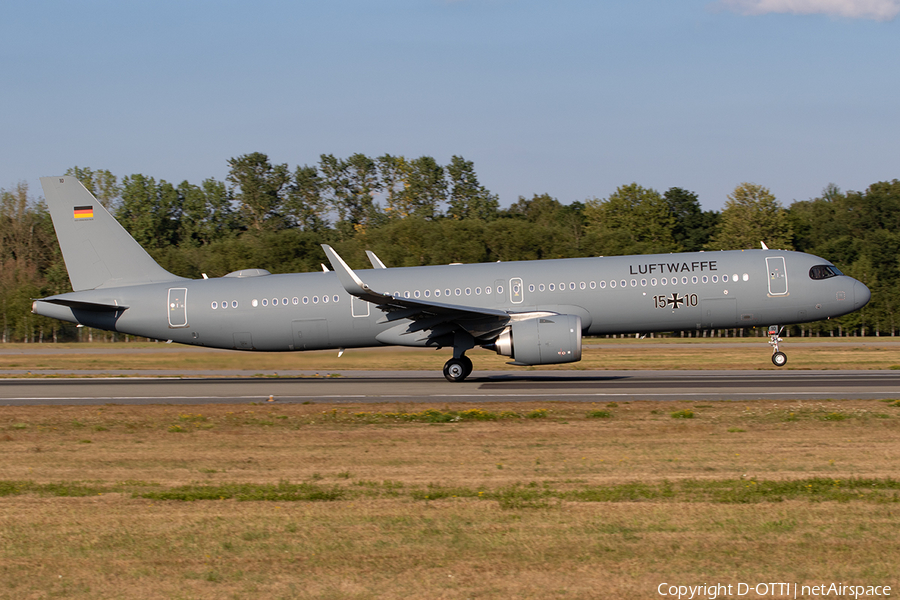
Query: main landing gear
<point x="457" y="369"/>
<point x="779" y="358"/>
<point x="460" y="366"/>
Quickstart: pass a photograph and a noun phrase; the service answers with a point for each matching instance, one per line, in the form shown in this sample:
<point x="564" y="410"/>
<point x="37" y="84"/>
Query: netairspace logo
<point x="772" y="590"/>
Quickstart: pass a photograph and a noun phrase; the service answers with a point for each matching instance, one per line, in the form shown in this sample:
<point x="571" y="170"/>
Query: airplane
<point x="534" y="312"/>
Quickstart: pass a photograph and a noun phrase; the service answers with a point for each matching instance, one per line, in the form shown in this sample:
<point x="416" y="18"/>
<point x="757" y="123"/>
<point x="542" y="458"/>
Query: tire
<point x="468" y="364"/>
<point x="456" y="370"/>
<point x="779" y="359"/>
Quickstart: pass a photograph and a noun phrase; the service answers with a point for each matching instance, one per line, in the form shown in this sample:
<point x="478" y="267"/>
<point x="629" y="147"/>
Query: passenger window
<point x="315" y="299"/>
<point x="283" y="301"/>
<point x="715" y="279"/>
<point x="705" y="279"/>
<point x="478" y="291"/>
<point x="643" y="283"/>
<point x="265" y="301"/>
<point x="295" y="301"/>
<point x="468" y="291"/>
<point x="530" y="287"/>
<point x="653" y="281"/>
<point x="427" y="293"/>
<point x="552" y="287"/>
<point x="254" y="303"/>
<point x="234" y="304"/>
<point x="684" y="280"/>
<point x="541" y="287"/>
<point x="593" y="285"/>
<point x="458" y="292"/>
<point x="325" y="299"/>
<point x="274" y="301"/>
<point x="602" y="285"/>
<point x="487" y="290"/>
<point x="582" y="285"/>
<point x="335" y="298"/>
<point x="634" y="283"/>
<point x="417" y="293"/>
<point x="571" y="285"/>
<point x="447" y="293"/>
<point x="623" y="283"/>
<point x="305" y="299"/>
<point x="499" y="289"/>
<point x="612" y="283"/>
<point x="694" y="279"/>
<point x="663" y="281"/>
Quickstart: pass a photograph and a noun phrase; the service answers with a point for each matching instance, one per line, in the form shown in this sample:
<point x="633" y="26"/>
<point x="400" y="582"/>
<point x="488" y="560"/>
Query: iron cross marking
<point x="675" y="301"/>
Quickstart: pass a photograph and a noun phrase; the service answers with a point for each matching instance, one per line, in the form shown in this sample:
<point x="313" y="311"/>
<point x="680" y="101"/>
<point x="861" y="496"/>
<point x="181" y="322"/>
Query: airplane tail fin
<point x="97" y="249"/>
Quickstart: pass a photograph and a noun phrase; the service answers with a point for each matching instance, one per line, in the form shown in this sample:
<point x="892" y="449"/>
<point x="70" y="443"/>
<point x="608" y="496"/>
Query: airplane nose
<point x="861" y="294"/>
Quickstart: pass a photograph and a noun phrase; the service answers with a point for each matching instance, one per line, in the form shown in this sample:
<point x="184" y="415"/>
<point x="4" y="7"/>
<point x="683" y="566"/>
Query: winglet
<point x="763" y="244"/>
<point x="351" y="282"/>
<point x="376" y="262"/>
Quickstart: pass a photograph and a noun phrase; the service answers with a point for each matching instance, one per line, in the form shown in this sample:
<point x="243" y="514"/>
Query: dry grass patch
<point x="455" y="501"/>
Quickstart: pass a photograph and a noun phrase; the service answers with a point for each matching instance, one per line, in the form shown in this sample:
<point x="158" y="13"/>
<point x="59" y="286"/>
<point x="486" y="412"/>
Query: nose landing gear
<point x="779" y="358"/>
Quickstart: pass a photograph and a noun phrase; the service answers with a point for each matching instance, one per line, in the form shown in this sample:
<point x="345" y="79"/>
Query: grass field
<point x="673" y="353"/>
<point x="538" y="500"/>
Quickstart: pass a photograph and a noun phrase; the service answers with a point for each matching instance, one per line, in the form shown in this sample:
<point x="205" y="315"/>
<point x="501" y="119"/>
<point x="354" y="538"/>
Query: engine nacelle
<point x="544" y="340"/>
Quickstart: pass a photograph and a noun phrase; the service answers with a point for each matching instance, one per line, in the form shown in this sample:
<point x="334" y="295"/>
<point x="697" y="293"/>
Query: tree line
<point x="417" y="212"/>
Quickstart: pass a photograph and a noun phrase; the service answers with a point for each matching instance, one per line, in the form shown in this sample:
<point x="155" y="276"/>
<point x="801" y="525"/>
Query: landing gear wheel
<point x="468" y="364"/>
<point x="779" y="359"/>
<point x="457" y="369"/>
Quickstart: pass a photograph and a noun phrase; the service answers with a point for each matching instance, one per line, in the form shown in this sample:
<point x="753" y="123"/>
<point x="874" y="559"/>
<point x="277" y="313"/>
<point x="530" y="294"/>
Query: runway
<point x="500" y="386"/>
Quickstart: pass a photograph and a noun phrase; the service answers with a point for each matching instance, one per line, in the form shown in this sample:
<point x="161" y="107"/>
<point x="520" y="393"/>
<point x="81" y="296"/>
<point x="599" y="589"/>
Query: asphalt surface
<point x="416" y="386"/>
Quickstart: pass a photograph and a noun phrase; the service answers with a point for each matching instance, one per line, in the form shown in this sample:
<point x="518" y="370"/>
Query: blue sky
<point x="566" y="97"/>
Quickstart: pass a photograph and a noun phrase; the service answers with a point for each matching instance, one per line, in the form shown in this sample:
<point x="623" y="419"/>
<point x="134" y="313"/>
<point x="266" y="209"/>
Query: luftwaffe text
<point x="675" y="267"/>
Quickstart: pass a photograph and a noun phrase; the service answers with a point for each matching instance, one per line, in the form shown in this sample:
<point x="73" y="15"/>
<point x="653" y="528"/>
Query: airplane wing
<point x="438" y="318"/>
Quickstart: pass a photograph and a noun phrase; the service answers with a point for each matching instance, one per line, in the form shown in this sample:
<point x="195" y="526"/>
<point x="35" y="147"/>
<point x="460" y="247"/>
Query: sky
<point x="572" y="98"/>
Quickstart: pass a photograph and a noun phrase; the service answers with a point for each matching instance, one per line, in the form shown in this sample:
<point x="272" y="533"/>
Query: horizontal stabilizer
<point x="84" y="305"/>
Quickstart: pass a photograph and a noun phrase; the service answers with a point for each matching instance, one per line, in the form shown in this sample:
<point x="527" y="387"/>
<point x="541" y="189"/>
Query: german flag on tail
<point x="84" y="212"/>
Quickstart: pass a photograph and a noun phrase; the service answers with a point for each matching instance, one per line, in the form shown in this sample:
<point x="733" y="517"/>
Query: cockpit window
<point x="824" y="272"/>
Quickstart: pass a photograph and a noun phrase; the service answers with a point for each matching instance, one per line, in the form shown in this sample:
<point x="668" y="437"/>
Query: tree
<point x="467" y="198"/>
<point x="394" y="174"/>
<point x="102" y="184"/>
<point x="350" y="185"/>
<point x="633" y="220"/>
<point x="149" y="211"/>
<point x="207" y="213"/>
<point x="304" y="203"/>
<point x="693" y="227"/>
<point x="752" y="215"/>
<point x="260" y="185"/>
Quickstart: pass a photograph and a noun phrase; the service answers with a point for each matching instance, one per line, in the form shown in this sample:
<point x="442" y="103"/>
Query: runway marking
<point x="420" y="397"/>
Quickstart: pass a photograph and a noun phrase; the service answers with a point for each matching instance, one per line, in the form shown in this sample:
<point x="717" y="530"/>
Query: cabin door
<point x="778" y="284"/>
<point x="177" y="307"/>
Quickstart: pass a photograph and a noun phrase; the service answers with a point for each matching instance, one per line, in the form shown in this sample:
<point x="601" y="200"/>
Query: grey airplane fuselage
<point x="611" y="295"/>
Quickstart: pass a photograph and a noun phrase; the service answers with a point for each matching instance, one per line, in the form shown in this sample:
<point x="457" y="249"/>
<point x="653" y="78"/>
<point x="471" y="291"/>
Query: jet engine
<point x="545" y="340"/>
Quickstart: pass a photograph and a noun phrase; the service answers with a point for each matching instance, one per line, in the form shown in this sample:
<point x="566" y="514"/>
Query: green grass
<point x="516" y="495"/>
